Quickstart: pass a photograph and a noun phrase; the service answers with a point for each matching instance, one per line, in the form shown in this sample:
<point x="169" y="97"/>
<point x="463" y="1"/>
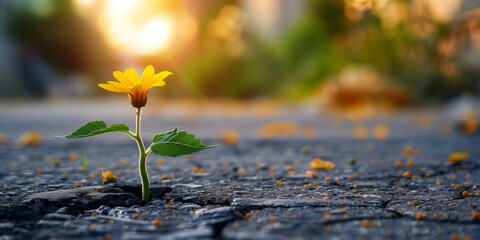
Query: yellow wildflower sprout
<point x="136" y="88"/>
<point x="320" y="164"/>
<point x="108" y="176"/>
<point x="456" y="157"/>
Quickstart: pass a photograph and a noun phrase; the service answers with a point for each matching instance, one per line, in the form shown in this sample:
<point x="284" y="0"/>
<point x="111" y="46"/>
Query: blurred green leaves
<point x="231" y="57"/>
<point x="323" y="42"/>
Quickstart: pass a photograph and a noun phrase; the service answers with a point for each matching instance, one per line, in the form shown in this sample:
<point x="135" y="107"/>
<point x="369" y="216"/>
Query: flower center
<point x="138" y="96"/>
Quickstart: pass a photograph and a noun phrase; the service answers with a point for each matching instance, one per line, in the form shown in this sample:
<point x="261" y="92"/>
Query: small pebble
<point x="398" y="164"/>
<point x="475" y="215"/>
<point x="419" y="216"/>
<point x="409" y="163"/>
<point x="157" y="222"/>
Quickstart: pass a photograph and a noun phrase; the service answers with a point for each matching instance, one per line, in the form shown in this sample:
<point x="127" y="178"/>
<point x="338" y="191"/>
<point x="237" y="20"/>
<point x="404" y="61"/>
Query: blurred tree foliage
<point x="52" y="30"/>
<point x="236" y="65"/>
<point x="322" y="43"/>
<point x="232" y="59"/>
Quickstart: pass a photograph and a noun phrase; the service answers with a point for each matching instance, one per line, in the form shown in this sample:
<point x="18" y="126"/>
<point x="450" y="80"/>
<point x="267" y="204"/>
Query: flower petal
<point x="119" y="86"/>
<point x="156" y="84"/>
<point x="123" y="78"/>
<point x="132" y="75"/>
<point x="158" y="80"/>
<point x="108" y="87"/>
<point x="148" y="76"/>
<point x="162" y="75"/>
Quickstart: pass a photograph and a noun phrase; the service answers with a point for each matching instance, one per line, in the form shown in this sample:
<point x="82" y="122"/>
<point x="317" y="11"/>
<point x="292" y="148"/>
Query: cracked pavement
<point x="256" y="189"/>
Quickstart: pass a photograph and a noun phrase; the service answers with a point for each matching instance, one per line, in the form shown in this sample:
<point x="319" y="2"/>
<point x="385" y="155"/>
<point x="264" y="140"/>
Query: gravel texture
<point x="256" y="189"/>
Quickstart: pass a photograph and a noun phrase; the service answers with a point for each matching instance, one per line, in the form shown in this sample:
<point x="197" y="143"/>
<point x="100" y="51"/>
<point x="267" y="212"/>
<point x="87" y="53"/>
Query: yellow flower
<point x="136" y="88"/>
<point x="108" y="176"/>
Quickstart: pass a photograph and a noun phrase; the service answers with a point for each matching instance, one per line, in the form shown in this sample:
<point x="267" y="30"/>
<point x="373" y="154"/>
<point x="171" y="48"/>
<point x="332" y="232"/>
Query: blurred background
<point x="334" y="55"/>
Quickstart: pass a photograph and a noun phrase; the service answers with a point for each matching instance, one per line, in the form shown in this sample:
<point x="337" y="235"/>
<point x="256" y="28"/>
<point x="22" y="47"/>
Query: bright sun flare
<point x="130" y="26"/>
<point x="154" y="36"/>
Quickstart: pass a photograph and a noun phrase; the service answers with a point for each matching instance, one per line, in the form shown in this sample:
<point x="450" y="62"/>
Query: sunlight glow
<point x="154" y="36"/>
<point x="140" y="27"/>
<point x="140" y="35"/>
<point x="84" y="3"/>
<point x="444" y="11"/>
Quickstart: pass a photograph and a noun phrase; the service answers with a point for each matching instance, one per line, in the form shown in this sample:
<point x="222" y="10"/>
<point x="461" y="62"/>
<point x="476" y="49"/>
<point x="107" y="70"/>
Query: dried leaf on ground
<point x="230" y="137"/>
<point x="381" y="131"/>
<point x="470" y="123"/>
<point x="30" y="139"/>
<point x="108" y="176"/>
<point x="410" y="151"/>
<point x="361" y="131"/>
<point x="320" y="164"/>
<point x="456" y="157"/>
<point x="309" y="132"/>
<point x="3" y="139"/>
<point x="278" y="129"/>
<point x="311" y="174"/>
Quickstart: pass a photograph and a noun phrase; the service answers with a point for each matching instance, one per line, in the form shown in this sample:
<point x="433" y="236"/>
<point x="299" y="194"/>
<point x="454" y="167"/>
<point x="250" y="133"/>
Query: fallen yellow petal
<point x="278" y="129"/>
<point x="311" y="174"/>
<point x="381" y="131"/>
<point x="230" y="137"/>
<point x="470" y="124"/>
<point x="320" y="164"/>
<point x="108" y="176"/>
<point x="309" y="132"/>
<point x="30" y="139"/>
<point x="361" y="131"/>
<point x="456" y="157"/>
<point x="410" y="151"/>
<point x="73" y="156"/>
<point x="160" y="161"/>
<point x="3" y="139"/>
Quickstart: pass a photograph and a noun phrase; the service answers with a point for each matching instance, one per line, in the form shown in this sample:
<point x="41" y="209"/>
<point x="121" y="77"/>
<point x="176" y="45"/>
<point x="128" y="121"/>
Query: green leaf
<point x="175" y="143"/>
<point x="94" y="128"/>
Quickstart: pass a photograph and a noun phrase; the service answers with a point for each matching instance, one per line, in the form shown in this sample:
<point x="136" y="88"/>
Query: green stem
<point x="142" y="162"/>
